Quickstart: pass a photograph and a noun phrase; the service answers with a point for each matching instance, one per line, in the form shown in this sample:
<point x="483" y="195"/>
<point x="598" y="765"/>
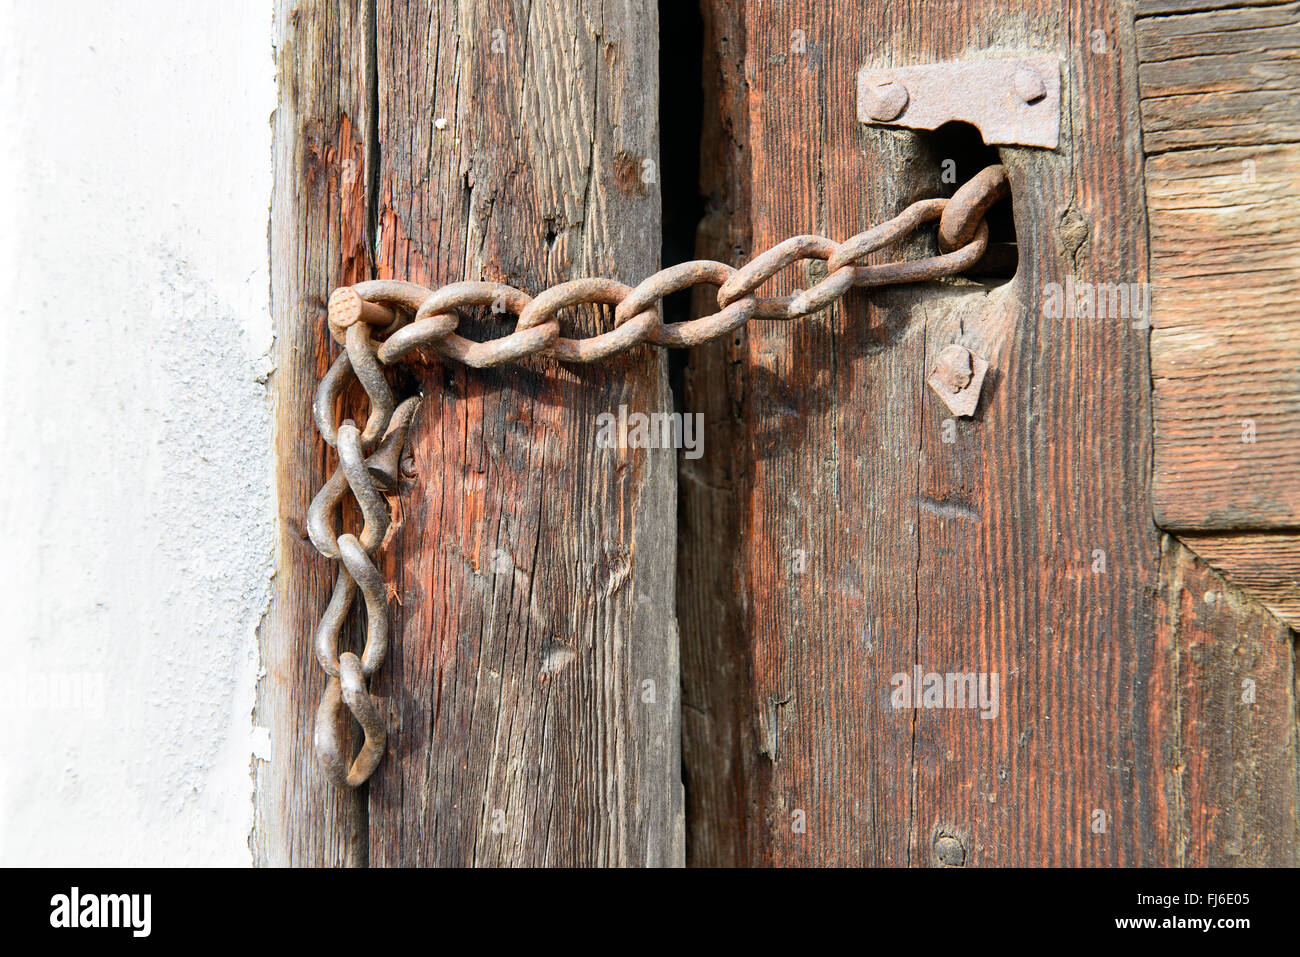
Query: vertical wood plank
<point x="318" y="241"/>
<point x="865" y="543"/>
<point x="533" y="689"/>
<point x="718" y="742"/>
<point x="1229" y="777"/>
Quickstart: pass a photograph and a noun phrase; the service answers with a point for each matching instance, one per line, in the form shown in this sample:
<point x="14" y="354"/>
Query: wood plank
<point x="1222" y="133"/>
<point x="318" y="241"/>
<point x="719" y="742"/>
<point x="1266" y="566"/>
<point x="1229" y="779"/>
<point x="1022" y="547"/>
<point x="533" y="570"/>
<point x="1225" y="225"/>
<point x="1147" y="8"/>
<point x="1220" y="78"/>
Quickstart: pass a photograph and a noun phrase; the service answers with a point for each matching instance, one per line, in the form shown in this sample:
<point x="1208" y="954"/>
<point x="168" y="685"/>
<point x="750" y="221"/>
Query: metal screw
<point x="1029" y="85"/>
<point x="885" y="99"/>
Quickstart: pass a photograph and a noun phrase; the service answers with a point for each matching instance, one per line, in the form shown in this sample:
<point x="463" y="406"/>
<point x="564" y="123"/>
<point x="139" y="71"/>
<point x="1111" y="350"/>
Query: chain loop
<point x="965" y="211"/>
<point x="404" y="317"/>
<point x="577" y="291"/>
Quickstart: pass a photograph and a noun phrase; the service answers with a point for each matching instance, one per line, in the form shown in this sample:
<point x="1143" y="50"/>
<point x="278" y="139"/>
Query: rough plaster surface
<point x="138" y="511"/>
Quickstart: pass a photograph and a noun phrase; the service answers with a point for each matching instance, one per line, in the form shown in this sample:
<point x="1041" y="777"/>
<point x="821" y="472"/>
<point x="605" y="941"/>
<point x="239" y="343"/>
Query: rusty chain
<point x="380" y="322"/>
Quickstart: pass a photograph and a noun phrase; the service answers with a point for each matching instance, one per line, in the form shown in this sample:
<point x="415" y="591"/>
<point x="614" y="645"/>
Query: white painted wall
<point x="135" y="426"/>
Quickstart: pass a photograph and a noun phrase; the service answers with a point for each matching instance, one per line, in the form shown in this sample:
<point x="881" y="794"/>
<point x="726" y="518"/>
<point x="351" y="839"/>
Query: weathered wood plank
<point x="318" y="241"/>
<point x="1225" y="227"/>
<point x="1220" y="78"/>
<point x="718" y="741"/>
<point x="533" y="694"/>
<point x="1147" y="8"/>
<point x="1229" y="778"/>
<point x="874" y="534"/>
<point x="1221" y="131"/>
<point x="1264" y="565"/>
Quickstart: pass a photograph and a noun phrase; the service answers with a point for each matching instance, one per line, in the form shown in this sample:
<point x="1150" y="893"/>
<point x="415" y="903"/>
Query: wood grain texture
<point x="718" y="739"/>
<point x="533" y="690"/>
<point x="1147" y="8"/>
<point x="864" y="542"/>
<point x="1222" y="134"/>
<point x="1266" y="566"/>
<point x="1220" y="78"/>
<point x="317" y="242"/>
<point x="1225" y="341"/>
<point x="1229" y="774"/>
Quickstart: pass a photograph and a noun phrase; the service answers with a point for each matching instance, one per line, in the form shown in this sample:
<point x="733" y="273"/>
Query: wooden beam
<point x="718" y="739"/>
<point x="1220" y="77"/>
<point x="318" y="241"/>
<point x="1221" y="171"/>
<point x="1221" y="138"/>
<point x="1149" y="8"/>
<point x="533" y="691"/>
<point x="1225" y="341"/>
<point x="1228" y="781"/>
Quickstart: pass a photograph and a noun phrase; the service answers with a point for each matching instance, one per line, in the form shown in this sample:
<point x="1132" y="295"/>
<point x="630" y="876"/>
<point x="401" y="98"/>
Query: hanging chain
<point x="380" y="322"/>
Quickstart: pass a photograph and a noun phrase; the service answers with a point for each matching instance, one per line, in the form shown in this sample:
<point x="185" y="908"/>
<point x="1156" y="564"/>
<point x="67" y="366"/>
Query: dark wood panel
<point x="1019" y="542"/>
<point x="718" y="740"/>
<point x="533" y="570"/>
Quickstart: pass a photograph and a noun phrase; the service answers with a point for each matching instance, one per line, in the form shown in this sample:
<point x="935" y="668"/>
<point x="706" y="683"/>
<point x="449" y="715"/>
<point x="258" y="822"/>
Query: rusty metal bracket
<point x="1013" y="102"/>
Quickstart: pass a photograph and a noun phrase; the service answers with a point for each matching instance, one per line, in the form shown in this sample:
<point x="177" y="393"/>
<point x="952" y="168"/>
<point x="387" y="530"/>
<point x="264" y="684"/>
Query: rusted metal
<point x="675" y="279"/>
<point x="634" y="330"/>
<point x="407" y="318"/>
<point x="964" y="213"/>
<point x="884" y="99"/>
<point x="957" y="378"/>
<point x="346" y="307"/>
<point x="1013" y="102"/>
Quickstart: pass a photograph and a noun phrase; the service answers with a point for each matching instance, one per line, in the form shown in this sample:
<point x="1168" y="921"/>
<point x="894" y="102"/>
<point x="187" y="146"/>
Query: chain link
<point x="381" y="322"/>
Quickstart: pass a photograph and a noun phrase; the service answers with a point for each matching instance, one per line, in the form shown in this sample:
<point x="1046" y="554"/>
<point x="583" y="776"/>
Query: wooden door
<point x="874" y="533"/>
<point x="842" y="528"/>
<point x="531" y="696"/>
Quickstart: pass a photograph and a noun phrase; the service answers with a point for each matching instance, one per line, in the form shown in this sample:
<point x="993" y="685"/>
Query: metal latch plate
<point x="1013" y="102"/>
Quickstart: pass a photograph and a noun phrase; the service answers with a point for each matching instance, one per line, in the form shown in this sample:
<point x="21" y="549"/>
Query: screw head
<point x="884" y="99"/>
<point x="950" y="851"/>
<point x="1029" y="85"/>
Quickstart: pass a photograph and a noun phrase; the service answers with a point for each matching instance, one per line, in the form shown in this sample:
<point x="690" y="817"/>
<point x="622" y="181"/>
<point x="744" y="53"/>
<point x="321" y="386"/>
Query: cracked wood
<point x="533" y="699"/>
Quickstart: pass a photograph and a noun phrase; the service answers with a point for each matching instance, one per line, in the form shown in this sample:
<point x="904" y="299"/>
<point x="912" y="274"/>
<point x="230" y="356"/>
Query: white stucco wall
<point x="137" y="511"/>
